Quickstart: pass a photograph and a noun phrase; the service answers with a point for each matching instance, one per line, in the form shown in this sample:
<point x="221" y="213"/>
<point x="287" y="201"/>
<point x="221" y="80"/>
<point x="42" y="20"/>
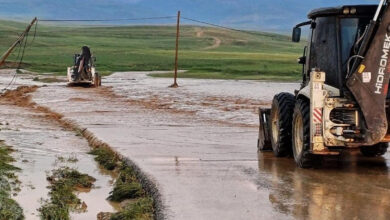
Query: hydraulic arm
<point x="370" y="80"/>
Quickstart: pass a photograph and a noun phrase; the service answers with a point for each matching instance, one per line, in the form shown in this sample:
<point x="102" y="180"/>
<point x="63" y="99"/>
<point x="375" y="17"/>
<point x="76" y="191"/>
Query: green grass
<point x="106" y="158"/>
<point x="127" y="188"/>
<point x="146" y="48"/>
<point x="63" y="182"/>
<point x="141" y="209"/>
<point x="9" y="208"/>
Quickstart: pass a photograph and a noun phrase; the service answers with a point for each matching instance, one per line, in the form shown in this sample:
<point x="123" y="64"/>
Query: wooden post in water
<point x="175" y="85"/>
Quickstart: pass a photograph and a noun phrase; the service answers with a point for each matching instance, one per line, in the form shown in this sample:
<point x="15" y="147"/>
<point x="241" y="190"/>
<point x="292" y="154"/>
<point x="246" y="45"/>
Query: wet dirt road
<point x="230" y="101"/>
<point x="203" y="157"/>
<point x="43" y="145"/>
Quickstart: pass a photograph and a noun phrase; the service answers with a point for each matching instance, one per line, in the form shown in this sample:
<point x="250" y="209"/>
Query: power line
<point x="149" y="18"/>
<point x="35" y="32"/>
<point x="220" y="26"/>
<point x="13" y="80"/>
<point x="100" y="20"/>
<point x="22" y="40"/>
<point x="20" y="46"/>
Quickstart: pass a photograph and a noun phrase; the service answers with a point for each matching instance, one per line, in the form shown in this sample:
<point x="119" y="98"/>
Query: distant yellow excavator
<point x="83" y="72"/>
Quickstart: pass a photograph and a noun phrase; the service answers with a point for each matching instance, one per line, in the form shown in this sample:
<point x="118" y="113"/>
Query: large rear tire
<point x="374" y="151"/>
<point x="281" y="117"/>
<point x="301" y="134"/>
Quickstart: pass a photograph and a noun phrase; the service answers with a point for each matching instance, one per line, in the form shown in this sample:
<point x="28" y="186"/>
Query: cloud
<point x="253" y="14"/>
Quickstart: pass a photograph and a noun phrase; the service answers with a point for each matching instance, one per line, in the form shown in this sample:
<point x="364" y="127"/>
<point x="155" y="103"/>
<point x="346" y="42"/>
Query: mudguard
<point x="369" y="83"/>
<point x="332" y="91"/>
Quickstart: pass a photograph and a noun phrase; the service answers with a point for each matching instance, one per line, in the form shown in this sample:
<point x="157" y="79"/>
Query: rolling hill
<point x="205" y="52"/>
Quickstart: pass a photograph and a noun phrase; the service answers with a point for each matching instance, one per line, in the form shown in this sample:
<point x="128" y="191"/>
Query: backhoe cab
<point x="342" y="102"/>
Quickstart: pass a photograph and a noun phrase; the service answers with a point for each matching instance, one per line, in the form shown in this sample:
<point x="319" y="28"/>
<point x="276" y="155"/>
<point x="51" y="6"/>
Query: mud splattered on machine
<point x="83" y="72"/>
<point x="343" y="102"/>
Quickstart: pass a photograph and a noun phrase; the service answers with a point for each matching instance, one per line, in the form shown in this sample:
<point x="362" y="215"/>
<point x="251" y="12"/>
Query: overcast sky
<point x="247" y="14"/>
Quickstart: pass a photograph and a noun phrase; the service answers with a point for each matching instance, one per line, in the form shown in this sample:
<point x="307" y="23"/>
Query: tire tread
<point x="285" y="103"/>
<point x="306" y="159"/>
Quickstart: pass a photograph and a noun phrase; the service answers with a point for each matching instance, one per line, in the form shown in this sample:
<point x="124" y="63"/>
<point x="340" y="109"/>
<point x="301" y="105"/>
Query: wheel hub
<point x="298" y="135"/>
<point x="275" y="127"/>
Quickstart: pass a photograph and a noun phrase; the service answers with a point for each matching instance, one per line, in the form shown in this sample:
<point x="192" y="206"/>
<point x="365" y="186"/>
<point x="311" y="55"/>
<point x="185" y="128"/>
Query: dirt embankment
<point x="21" y="97"/>
<point x="18" y="97"/>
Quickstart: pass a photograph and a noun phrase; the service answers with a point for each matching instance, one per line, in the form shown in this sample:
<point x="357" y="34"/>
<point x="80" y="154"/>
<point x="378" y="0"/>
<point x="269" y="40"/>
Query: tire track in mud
<point x="21" y="97"/>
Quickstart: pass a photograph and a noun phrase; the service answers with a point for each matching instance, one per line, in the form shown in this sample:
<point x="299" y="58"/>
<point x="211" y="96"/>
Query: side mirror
<point x="296" y="35"/>
<point x="302" y="60"/>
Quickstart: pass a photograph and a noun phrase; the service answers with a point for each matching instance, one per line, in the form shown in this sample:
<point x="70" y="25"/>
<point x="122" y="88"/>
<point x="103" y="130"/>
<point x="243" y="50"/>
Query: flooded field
<point x="43" y="145"/>
<point x="202" y="157"/>
<point x="233" y="101"/>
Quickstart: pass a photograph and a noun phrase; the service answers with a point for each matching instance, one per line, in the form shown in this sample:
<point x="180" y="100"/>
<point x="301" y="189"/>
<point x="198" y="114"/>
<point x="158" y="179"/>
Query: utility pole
<point x="175" y="85"/>
<point x="18" y="41"/>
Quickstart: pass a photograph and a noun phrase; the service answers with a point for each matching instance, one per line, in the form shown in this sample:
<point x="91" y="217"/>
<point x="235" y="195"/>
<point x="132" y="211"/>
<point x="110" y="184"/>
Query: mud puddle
<point x="209" y="171"/>
<point x="10" y="80"/>
<point x="212" y="171"/>
<point x="352" y="187"/>
<point x="235" y="101"/>
<point x="231" y="101"/>
<point x="42" y="146"/>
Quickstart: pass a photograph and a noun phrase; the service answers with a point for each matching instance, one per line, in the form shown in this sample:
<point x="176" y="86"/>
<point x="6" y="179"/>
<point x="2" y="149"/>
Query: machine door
<point x="324" y="49"/>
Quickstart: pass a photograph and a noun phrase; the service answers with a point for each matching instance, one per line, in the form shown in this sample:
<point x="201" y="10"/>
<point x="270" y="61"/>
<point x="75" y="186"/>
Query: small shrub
<point x="105" y="157"/>
<point x="141" y="209"/>
<point x="63" y="183"/>
<point x="125" y="191"/>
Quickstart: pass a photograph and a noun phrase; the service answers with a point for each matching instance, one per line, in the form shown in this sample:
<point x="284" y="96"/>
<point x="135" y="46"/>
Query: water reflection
<point x="350" y="187"/>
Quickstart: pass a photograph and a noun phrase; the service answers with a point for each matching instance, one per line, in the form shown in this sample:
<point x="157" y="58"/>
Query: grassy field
<point x="9" y="184"/>
<point x="204" y="52"/>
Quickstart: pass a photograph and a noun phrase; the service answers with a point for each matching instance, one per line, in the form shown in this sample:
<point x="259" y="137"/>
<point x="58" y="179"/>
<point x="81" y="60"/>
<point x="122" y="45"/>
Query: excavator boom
<point x="369" y="82"/>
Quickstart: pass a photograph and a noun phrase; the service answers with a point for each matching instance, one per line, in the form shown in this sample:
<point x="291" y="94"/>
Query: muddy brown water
<point x="42" y="146"/>
<point x="353" y="187"/>
<point x="210" y="170"/>
<point x="233" y="101"/>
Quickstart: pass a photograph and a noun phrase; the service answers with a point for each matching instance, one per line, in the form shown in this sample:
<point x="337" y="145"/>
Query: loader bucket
<point x="264" y="140"/>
